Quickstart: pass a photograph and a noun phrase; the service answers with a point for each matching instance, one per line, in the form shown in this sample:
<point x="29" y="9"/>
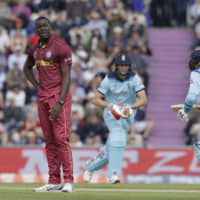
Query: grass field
<point x="24" y="191"/>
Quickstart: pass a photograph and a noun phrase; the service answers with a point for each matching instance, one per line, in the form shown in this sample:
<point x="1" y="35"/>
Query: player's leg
<point x="53" y="162"/>
<point x="61" y="129"/>
<point x="99" y="161"/>
<point x="114" y="147"/>
<point x="96" y="163"/>
<point x="197" y="150"/>
<point x="116" y="144"/>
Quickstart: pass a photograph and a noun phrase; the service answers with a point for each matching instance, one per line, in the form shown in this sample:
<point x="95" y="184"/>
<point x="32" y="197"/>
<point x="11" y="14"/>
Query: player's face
<point x="123" y="69"/>
<point x="43" y="29"/>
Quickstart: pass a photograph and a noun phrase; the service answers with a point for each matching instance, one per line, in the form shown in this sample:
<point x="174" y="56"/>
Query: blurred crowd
<point x="181" y="13"/>
<point x="96" y="32"/>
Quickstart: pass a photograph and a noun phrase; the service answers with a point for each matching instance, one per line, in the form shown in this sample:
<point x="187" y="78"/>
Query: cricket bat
<point x="177" y="107"/>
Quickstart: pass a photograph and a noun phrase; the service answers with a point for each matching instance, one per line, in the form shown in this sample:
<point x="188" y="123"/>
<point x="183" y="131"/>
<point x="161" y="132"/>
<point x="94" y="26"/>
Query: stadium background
<point x="158" y="35"/>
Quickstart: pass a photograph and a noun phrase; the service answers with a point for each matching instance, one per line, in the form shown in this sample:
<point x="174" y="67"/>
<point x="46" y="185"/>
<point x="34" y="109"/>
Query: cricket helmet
<point x="194" y="59"/>
<point x="123" y="59"/>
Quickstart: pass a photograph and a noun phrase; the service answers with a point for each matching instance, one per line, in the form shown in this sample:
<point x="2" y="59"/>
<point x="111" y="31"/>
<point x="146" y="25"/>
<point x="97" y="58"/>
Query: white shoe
<point x="87" y="176"/>
<point x="49" y="187"/>
<point x="114" y="179"/>
<point x="68" y="187"/>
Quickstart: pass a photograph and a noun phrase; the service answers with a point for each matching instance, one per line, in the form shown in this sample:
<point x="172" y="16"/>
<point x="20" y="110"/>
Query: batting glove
<point x="126" y="111"/>
<point x="197" y="151"/>
<point x="182" y="115"/>
<point x="119" y="111"/>
<point x="115" y="111"/>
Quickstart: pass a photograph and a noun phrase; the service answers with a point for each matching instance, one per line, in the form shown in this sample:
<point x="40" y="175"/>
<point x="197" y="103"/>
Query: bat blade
<point x="177" y="107"/>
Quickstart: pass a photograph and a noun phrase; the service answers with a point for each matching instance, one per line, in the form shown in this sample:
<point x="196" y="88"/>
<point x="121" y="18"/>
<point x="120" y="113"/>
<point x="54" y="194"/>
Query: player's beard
<point x="122" y="75"/>
<point x="45" y="37"/>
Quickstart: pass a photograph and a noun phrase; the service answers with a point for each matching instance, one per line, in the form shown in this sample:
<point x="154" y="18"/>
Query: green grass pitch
<point x="24" y="191"/>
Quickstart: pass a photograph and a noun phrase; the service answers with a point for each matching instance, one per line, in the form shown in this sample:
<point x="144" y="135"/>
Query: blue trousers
<point x="112" y="153"/>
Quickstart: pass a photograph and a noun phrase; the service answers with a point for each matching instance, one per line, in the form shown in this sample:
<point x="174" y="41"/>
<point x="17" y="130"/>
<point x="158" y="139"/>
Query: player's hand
<point x="126" y="111"/>
<point x="55" y="111"/>
<point x="182" y="115"/>
<point x="119" y="111"/>
<point x="197" y="151"/>
<point x="115" y="111"/>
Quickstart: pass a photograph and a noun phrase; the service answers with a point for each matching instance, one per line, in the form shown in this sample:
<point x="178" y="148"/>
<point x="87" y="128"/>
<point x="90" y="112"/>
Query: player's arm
<point x="102" y="90"/>
<point x="141" y="100"/>
<point x="99" y="101"/>
<point x="28" y="71"/>
<point x="191" y="97"/>
<point x="65" y="65"/>
<point x="192" y="94"/>
<point x="140" y="92"/>
<point x="114" y="109"/>
<point x="66" y="80"/>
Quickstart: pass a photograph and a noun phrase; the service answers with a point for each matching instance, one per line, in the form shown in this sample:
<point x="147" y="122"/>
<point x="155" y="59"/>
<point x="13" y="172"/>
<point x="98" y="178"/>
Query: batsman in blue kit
<point x="117" y="95"/>
<point x="193" y="96"/>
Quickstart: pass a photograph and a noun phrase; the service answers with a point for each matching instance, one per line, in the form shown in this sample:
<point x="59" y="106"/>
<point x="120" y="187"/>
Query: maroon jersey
<point x="49" y="59"/>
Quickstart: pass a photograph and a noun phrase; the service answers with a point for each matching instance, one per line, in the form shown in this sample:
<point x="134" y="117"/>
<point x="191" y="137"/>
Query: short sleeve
<point x="30" y="58"/>
<point x="103" y="87"/>
<point x="194" y="83"/>
<point x="65" y="55"/>
<point x="193" y="91"/>
<point x="138" y="84"/>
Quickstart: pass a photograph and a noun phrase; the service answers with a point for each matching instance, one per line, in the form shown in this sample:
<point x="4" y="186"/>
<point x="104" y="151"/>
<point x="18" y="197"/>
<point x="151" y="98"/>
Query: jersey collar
<point x="48" y="43"/>
<point x="198" y="67"/>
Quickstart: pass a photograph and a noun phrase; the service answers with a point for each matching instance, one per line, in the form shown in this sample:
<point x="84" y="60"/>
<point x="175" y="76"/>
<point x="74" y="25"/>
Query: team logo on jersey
<point x="123" y="58"/>
<point x="191" y="82"/>
<point x="48" y="54"/>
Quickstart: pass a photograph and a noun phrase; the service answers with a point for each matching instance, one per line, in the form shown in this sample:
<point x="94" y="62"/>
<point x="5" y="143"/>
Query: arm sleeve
<point x="193" y="91"/>
<point x="138" y="84"/>
<point x="103" y="87"/>
<point x="65" y="56"/>
<point x="30" y="57"/>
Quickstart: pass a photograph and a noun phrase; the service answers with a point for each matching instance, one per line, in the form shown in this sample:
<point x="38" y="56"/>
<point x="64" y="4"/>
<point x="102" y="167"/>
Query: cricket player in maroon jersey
<point x="53" y="60"/>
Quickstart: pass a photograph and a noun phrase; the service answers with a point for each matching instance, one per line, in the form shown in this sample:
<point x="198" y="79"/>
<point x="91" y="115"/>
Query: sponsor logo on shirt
<point x="191" y="82"/>
<point x="43" y="63"/>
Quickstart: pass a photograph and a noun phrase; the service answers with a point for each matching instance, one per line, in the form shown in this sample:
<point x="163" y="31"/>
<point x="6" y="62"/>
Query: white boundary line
<point x="110" y="190"/>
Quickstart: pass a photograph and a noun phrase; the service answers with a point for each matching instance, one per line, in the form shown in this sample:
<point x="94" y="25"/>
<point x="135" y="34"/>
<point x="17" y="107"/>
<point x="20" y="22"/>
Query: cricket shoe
<point x="49" y="187"/>
<point x="87" y="176"/>
<point x="114" y="179"/>
<point x="68" y="187"/>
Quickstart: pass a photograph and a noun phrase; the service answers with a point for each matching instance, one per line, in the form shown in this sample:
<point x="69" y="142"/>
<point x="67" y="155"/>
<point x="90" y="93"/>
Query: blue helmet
<point x="123" y="59"/>
<point x="194" y="59"/>
<point x="195" y="53"/>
